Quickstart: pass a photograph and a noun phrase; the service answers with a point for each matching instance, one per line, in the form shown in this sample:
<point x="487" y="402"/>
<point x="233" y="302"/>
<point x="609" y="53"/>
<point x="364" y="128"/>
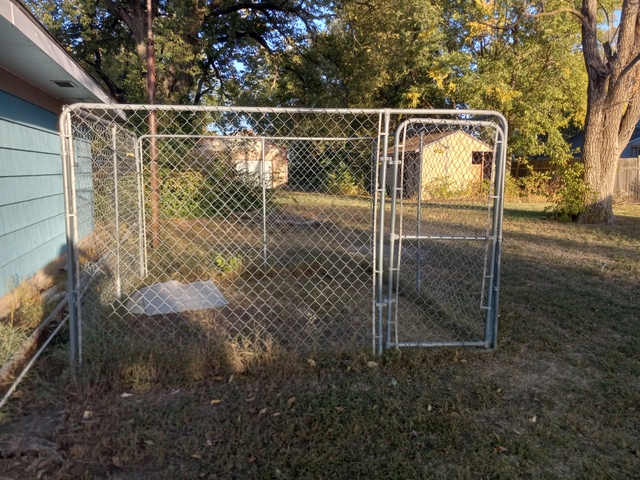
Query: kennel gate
<point x="287" y="217"/>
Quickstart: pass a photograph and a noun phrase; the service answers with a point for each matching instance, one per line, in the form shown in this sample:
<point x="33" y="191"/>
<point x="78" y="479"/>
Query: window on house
<point x="486" y="160"/>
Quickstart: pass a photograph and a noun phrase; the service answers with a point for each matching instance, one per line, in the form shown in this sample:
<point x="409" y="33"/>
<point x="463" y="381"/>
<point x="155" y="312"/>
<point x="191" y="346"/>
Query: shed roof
<point x="412" y="144"/>
<point x="34" y="55"/>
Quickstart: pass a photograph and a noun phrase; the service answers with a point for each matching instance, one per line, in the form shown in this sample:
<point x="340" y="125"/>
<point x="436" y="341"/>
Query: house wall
<point x="449" y="161"/>
<point x="635" y="137"/>
<point x="32" y="226"/>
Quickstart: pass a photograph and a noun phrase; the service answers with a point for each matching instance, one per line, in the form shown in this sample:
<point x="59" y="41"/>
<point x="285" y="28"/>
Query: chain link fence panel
<point x="187" y="223"/>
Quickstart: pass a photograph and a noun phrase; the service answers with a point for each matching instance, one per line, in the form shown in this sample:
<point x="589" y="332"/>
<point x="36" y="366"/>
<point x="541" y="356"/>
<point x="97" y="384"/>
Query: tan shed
<point x="245" y="153"/>
<point x="451" y="161"/>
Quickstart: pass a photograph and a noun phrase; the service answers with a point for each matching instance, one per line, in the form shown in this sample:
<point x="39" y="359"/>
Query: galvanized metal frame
<point x="383" y="315"/>
<point x="493" y="276"/>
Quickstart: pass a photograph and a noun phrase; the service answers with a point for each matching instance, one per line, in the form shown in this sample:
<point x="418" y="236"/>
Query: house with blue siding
<point x="37" y="78"/>
<point x="632" y="150"/>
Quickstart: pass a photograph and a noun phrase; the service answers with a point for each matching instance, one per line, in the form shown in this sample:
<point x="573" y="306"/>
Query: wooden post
<point x="153" y="147"/>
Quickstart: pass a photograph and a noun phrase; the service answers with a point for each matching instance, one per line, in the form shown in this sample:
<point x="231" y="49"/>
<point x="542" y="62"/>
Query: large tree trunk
<point x="613" y="109"/>
<point x="600" y="154"/>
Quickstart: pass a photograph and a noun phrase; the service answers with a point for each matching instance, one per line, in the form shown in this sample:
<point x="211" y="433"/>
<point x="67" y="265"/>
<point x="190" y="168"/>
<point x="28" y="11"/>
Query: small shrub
<point x="183" y="194"/>
<point x="534" y="186"/>
<point x="570" y="191"/>
<point x="512" y="188"/>
<point x="341" y="181"/>
<point x="218" y="192"/>
<point x="441" y="188"/>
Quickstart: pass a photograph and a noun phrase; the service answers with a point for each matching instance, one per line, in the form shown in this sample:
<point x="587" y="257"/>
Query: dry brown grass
<point x="27" y="311"/>
<point x="558" y="399"/>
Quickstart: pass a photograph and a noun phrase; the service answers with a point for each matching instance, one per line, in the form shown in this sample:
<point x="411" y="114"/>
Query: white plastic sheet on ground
<point x="174" y="297"/>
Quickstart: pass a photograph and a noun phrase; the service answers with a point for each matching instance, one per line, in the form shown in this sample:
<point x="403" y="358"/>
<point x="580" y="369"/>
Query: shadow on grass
<point x="557" y="399"/>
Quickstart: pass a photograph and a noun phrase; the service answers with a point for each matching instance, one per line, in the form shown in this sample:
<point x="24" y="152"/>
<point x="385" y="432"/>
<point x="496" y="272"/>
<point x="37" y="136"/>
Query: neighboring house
<point x="451" y="160"/>
<point x="627" y="183"/>
<point x="632" y="150"/>
<point x="245" y="153"/>
<point x="541" y="163"/>
<point x="37" y="77"/>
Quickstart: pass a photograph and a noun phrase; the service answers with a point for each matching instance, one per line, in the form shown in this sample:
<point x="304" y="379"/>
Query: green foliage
<point x="442" y="189"/>
<point x="530" y="185"/>
<point x="228" y="265"/>
<point x="571" y="190"/>
<point x="183" y="194"/>
<point x="342" y="181"/>
<point x="342" y="170"/>
<point x="220" y="192"/>
<point x="206" y="51"/>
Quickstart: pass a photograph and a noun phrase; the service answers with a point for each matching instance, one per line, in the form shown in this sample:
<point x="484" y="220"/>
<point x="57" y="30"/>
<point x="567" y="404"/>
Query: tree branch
<point x="528" y="16"/>
<point x="261" y="7"/>
<point x="629" y="120"/>
<point x="243" y="34"/>
<point x="120" y="13"/>
<point x="630" y="66"/>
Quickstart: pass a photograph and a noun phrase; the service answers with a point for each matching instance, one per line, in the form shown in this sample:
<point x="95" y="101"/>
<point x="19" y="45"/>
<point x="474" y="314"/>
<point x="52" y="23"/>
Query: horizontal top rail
<point x="237" y="109"/>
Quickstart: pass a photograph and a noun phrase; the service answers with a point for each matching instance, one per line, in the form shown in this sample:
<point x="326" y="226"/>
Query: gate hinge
<point x="386" y="302"/>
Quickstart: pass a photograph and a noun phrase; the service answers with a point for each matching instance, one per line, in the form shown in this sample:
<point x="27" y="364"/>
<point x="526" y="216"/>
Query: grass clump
<point x="27" y="311"/>
<point x="12" y="337"/>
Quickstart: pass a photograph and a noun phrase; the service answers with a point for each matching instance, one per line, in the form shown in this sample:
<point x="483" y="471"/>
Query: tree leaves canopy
<point x="344" y="53"/>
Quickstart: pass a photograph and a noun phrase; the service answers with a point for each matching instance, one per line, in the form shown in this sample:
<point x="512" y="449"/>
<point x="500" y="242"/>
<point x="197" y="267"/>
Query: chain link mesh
<point x="445" y="194"/>
<point x="269" y="218"/>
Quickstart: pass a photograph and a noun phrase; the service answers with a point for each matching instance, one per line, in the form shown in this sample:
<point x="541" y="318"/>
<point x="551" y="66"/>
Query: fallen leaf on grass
<point x="116" y="461"/>
<point x="311" y="362"/>
<point x="533" y="419"/>
<point x="500" y="449"/>
<point x="215" y="401"/>
<point x="87" y="415"/>
<point x="125" y="395"/>
<point x="263" y="411"/>
<point x="252" y="459"/>
<point x="277" y="414"/>
<point x="291" y="400"/>
<point x="393" y="383"/>
<point x="250" y="399"/>
<point x="429" y="408"/>
<point x="175" y="391"/>
<point x="197" y="456"/>
<point x="149" y="442"/>
<point x="230" y="379"/>
<point x="372" y="364"/>
<point x="339" y="409"/>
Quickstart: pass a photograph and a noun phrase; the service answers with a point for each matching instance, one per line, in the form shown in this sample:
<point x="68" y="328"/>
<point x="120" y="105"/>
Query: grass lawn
<point x="559" y="398"/>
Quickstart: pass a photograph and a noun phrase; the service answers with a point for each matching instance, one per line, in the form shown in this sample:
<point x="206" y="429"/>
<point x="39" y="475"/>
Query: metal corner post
<point x="491" y="325"/>
<point x="502" y="146"/>
<point x="114" y="146"/>
<point x="70" y="224"/>
<point x="381" y="188"/>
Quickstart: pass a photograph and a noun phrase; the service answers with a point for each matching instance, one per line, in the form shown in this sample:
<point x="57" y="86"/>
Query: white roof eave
<point x="27" y="40"/>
